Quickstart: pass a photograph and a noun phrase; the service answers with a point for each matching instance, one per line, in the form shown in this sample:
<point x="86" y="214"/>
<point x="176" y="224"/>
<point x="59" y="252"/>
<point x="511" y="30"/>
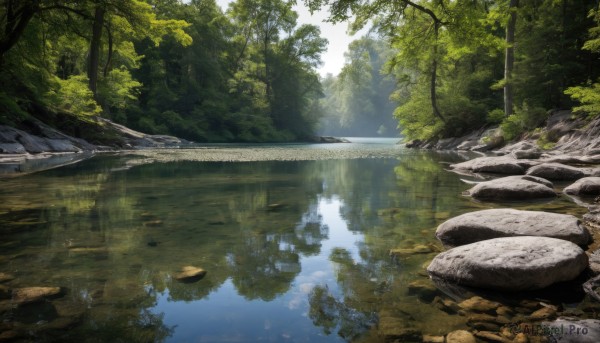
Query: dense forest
<point x="249" y="72"/>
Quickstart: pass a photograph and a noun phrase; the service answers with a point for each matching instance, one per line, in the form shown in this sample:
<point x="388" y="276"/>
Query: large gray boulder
<point x="487" y="224"/>
<point x="587" y="186"/>
<point x="510" y="263"/>
<point x="497" y="165"/>
<point x="517" y="187"/>
<point x="556" y="171"/>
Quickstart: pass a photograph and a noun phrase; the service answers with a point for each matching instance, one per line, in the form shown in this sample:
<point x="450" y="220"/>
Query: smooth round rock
<point x="498" y="165"/>
<point x="518" y="187"/>
<point x="487" y="224"/>
<point x="589" y="186"/>
<point x="190" y="274"/>
<point x="510" y="263"/>
<point x="556" y="171"/>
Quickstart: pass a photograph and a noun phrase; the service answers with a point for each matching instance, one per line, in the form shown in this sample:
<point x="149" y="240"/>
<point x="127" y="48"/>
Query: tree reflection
<point x="252" y="223"/>
<point x="333" y="315"/>
<point x="263" y="267"/>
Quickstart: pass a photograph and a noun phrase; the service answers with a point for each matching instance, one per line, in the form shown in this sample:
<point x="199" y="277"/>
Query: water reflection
<point x="295" y="251"/>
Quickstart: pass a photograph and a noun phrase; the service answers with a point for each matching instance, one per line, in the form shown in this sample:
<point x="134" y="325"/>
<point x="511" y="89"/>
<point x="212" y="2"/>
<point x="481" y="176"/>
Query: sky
<point x="333" y="58"/>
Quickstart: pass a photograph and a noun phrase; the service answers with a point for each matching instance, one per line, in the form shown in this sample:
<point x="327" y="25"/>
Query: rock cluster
<point x="512" y="250"/>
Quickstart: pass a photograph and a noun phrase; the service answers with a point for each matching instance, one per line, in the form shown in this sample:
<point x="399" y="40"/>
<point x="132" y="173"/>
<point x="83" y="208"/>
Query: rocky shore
<point x="507" y="251"/>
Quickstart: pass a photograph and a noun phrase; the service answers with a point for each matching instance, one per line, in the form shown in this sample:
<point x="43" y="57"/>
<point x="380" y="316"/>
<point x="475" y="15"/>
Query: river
<point x="296" y="249"/>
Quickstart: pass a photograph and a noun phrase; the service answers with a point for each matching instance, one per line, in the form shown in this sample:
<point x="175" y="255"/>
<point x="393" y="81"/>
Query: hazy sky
<point x="333" y="58"/>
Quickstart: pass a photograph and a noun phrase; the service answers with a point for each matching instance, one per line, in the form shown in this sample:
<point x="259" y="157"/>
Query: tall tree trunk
<point x="94" y="60"/>
<point x="509" y="57"/>
<point x="433" y="86"/>
<point x="437" y="23"/>
<point x="17" y="18"/>
<point x="110" y="51"/>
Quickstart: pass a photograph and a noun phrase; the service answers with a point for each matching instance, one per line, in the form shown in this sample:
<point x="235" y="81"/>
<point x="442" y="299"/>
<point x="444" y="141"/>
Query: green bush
<point x="495" y="116"/>
<point x="588" y="96"/>
<point x="73" y="95"/>
<point x="524" y="119"/>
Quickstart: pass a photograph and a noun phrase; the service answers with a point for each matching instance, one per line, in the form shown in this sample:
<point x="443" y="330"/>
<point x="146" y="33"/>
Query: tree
<point x="509" y="59"/>
<point x="16" y="15"/>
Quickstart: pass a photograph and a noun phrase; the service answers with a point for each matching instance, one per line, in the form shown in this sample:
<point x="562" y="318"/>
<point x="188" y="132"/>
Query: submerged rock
<point x="460" y="336"/>
<point x="190" y="274"/>
<point x="479" y="304"/>
<point x="395" y="329"/>
<point x="6" y="277"/>
<point x="417" y="249"/>
<point x="424" y="289"/>
<point x="433" y="339"/>
<point x="556" y="171"/>
<point x="33" y="294"/>
<point x="546" y="312"/>
<point x="489" y="336"/>
<point x="510" y="263"/>
<point x="513" y="188"/>
<point x="486" y="224"/>
<point x="589" y="186"/>
<point x="153" y="223"/>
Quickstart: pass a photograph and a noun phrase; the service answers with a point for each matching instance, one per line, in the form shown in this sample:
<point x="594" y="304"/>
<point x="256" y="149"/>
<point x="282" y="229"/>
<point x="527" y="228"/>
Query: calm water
<point x="295" y="251"/>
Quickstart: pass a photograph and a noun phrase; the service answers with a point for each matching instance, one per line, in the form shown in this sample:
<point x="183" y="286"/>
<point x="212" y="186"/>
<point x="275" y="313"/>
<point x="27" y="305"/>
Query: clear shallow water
<point x="295" y="251"/>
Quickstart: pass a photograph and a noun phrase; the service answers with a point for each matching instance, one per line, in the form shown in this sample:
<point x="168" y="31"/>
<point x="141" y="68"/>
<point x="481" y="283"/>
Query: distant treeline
<point x="357" y="101"/>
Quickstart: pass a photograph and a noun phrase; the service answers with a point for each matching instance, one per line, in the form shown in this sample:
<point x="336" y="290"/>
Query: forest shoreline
<point x="36" y="146"/>
<point x="561" y="134"/>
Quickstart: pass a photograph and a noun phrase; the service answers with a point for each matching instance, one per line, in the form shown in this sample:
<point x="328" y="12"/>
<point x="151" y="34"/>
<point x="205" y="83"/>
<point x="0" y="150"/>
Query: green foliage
<point x="495" y="116"/>
<point x="512" y="127"/>
<point x="169" y="67"/>
<point x="588" y="96"/>
<point x="10" y="111"/>
<point x="118" y="89"/>
<point x="525" y="118"/>
<point x="547" y="140"/>
<point x="73" y="95"/>
<point x="416" y="118"/>
<point x="189" y="69"/>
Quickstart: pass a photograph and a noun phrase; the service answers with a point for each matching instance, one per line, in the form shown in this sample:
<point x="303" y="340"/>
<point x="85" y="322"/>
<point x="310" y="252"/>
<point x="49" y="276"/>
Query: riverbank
<point x="562" y="133"/>
<point x="509" y="250"/>
<point x="36" y="146"/>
